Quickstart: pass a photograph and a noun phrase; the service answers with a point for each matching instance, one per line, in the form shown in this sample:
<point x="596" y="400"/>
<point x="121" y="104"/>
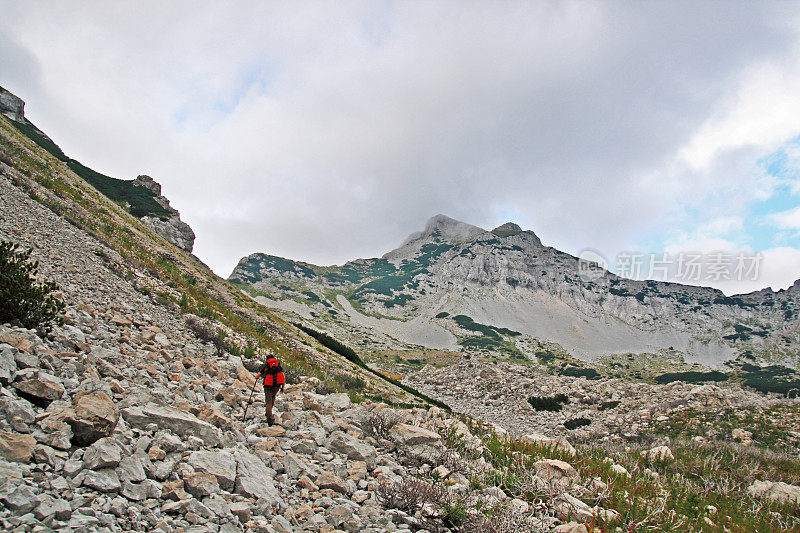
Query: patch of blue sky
<point x="377" y="28"/>
<point x="215" y="107"/>
<point x="757" y="231"/>
<point x="785" y="167"/>
<point x="508" y="214"/>
<point x="256" y="78"/>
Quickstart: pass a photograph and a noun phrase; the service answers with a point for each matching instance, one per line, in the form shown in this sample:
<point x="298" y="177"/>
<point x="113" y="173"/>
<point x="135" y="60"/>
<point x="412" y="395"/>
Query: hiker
<point x="274" y="380"/>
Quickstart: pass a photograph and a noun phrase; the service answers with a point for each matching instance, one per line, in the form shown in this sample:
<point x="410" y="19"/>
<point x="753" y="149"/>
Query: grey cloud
<point x="324" y="132"/>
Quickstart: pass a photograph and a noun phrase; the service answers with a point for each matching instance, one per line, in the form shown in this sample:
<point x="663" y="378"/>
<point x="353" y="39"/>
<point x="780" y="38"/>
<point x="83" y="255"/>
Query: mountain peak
<point x="447" y="229"/>
<point x="507" y="229"/>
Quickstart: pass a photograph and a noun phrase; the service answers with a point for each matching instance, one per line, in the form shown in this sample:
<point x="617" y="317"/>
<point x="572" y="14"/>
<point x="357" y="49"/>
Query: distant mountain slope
<point x="458" y="287"/>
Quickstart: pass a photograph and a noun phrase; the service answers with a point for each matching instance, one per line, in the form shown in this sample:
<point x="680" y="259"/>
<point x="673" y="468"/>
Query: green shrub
<point x="21" y="296"/>
<point x="576" y="423"/>
<point x="692" y="376"/>
<point x="292" y="376"/>
<point x="350" y="382"/>
<point x="548" y="403"/>
<point x="580" y="372"/>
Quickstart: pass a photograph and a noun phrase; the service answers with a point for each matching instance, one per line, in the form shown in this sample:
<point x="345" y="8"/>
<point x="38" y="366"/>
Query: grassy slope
<point x="141" y="200"/>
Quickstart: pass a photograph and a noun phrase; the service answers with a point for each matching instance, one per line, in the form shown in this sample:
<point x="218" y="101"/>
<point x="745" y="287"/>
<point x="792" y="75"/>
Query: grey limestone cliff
<point x="171" y="228"/>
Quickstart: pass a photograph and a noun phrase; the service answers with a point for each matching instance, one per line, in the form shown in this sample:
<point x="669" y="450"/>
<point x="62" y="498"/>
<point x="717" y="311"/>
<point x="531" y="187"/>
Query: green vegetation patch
<point x="392" y="280"/>
<point x="141" y="200"/>
<point x="493" y="344"/>
<point x="33" y="133"/>
<point x="467" y="323"/>
<point x="774" y="428"/>
<point x="548" y="403"/>
<point x="253" y="265"/>
<point x="692" y="377"/>
<point x="774" y="378"/>
<point x="576" y="423"/>
<point x="580" y="372"/>
<point x="22" y="297"/>
<point x="676" y="499"/>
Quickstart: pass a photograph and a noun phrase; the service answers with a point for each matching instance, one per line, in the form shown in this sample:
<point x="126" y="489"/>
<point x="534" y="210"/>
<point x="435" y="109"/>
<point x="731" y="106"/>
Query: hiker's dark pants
<point x="269" y="400"/>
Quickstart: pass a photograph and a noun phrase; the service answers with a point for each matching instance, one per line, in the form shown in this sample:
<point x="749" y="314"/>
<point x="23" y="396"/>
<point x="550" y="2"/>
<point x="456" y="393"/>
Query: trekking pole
<point x="255" y="382"/>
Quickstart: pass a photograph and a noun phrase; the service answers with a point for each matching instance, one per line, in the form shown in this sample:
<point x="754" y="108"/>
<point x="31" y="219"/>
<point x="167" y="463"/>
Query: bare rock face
<point x="172" y="228"/>
<point x="12" y="106"/>
<point x="147" y="182"/>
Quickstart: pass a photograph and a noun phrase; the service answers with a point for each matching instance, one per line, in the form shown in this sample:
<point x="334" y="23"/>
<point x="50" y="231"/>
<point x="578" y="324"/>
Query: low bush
<point x="350" y="382"/>
<point x="576" y="423"/>
<point x="692" y="377"/>
<point x="580" y="372"/>
<point x="22" y="297"/>
<point x="548" y="403"/>
<point x="292" y="376"/>
<point x="379" y="424"/>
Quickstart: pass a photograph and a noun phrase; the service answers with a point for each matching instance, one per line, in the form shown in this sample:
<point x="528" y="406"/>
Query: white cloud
<point x="328" y="131"/>
<point x="789" y="219"/>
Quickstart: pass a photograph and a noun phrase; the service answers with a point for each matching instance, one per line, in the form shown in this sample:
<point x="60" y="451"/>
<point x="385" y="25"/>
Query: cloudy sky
<point x="326" y="131"/>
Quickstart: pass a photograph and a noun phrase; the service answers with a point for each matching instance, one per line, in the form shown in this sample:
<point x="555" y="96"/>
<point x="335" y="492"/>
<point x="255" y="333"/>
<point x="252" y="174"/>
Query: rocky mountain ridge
<point x="506" y="278"/>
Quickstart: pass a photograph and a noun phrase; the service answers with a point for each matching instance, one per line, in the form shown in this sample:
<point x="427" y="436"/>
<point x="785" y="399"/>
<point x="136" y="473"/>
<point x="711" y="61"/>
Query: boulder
<point x="295" y="466"/>
<point x="56" y="508"/>
<point x="200" y="484"/>
<point x="179" y="422"/>
<point x="104" y="453"/>
<point x="408" y="435"/>
<point x="15" y="447"/>
<point x="571" y="507"/>
<point x="337" y="402"/>
<point x="659" y="453"/>
<point x="39" y="390"/>
<point x="131" y="468"/>
<point x="353" y="448"/>
<point x="778" y="492"/>
<point x="211" y="414"/>
<point x="556" y="472"/>
<point x="93" y="415"/>
<point x="241" y="510"/>
<point x="557" y="443"/>
<point x="19" y="342"/>
<point x="20" y="499"/>
<point x="8" y="367"/>
<point x="102" y="480"/>
<point x="221" y="464"/>
<point x="254" y="479"/>
<point x="327" y="480"/>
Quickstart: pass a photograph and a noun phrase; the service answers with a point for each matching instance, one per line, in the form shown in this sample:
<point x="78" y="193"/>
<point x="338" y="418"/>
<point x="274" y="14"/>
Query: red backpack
<point x="273" y="373"/>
